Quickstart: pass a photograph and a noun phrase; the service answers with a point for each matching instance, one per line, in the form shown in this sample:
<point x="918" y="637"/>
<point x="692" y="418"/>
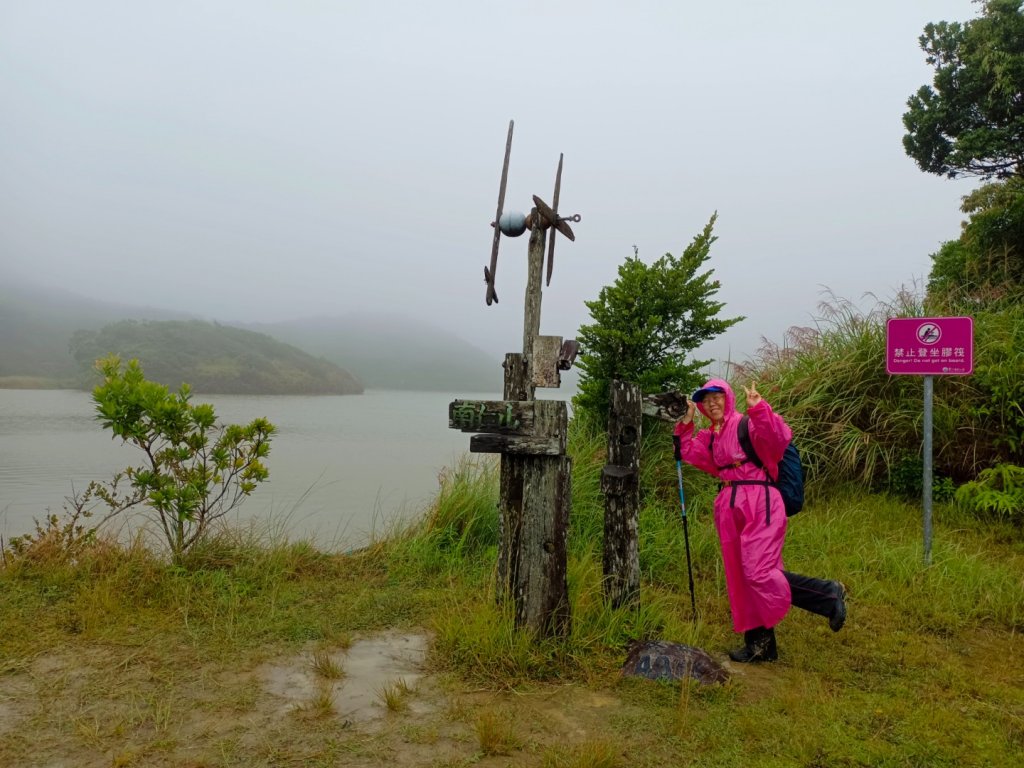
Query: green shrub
<point x="193" y="471"/>
<point x="997" y="492"/>
<point x="907" y="478"/>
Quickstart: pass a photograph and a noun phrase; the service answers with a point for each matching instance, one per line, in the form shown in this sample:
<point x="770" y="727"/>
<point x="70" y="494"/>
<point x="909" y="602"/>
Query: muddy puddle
<point x="369" y="669"/>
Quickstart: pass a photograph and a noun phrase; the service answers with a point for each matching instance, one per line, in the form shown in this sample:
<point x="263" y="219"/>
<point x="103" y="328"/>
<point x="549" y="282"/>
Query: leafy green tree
<point x="971" y="122"/>
<point x="647" y="322"/>
<point x="985" y="264"/>
<point x="194" y="471"/>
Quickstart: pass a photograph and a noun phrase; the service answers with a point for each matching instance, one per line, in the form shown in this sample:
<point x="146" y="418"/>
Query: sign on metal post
<point x="929" y="346"/>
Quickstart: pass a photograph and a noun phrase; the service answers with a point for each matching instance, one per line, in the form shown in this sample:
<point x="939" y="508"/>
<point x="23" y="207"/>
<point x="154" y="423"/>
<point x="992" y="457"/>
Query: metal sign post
<point x="929" y="346"/>
<point x="926" y="480"/>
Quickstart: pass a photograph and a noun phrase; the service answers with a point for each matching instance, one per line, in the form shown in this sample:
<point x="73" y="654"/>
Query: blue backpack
<point x="790" y="481"/>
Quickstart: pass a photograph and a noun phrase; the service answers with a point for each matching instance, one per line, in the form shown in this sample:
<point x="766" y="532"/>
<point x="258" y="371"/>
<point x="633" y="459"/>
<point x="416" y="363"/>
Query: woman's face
<point x="714" y="405"/>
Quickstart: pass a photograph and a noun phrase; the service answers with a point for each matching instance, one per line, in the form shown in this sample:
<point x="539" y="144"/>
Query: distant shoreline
<point x="34" y="382"/>
<point x="40" y="383"/>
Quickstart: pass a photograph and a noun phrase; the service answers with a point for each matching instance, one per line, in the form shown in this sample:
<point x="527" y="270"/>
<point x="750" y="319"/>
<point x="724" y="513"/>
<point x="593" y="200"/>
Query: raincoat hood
<point x="730" y="398"/>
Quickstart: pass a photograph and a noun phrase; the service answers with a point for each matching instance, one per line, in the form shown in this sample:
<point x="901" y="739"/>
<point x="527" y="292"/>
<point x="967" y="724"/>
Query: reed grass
<point x="854" y="422"/>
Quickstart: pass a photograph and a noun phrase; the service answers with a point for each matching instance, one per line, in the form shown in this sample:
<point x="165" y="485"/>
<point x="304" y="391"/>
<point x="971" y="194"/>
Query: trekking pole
<point x="686" y="528"/>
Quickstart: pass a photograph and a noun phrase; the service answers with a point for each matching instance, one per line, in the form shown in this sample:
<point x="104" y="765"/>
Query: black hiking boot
<point x="739" y="654"/>
<point x="838" y="617"/>
<point x="758" y="645"/>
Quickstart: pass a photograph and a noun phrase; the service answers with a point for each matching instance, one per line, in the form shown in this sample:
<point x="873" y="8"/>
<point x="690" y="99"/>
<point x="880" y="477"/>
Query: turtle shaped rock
<point x="660" y="660"/>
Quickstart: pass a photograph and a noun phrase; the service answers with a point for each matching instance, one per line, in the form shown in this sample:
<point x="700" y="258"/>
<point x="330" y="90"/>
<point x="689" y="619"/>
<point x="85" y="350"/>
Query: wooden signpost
<point x="520" y="427"/>
<point x="530" y="435"/>
<point x="620" y="483"/>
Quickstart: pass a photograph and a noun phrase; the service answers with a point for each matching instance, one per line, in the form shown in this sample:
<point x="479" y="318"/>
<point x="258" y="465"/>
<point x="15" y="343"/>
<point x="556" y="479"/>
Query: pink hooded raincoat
<point x="751" y="530"/>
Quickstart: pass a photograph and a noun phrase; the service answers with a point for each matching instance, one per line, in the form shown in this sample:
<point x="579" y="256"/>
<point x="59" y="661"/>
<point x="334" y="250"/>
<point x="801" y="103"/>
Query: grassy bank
<point x="115" y="657"/>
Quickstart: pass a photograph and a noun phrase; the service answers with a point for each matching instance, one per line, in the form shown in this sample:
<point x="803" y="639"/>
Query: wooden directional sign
<point x="511" y="417"/>
<point x="517" y="445"/>
<point x="524" y="427"/>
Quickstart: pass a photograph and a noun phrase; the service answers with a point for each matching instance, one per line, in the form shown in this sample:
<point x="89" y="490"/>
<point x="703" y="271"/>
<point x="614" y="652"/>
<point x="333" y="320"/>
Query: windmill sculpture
<point x="530" y="434"/>
<point x="513" y="223"/>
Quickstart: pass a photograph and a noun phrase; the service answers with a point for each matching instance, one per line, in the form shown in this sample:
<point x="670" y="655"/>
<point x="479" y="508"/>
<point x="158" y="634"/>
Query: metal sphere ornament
<point x="512" y="223"/>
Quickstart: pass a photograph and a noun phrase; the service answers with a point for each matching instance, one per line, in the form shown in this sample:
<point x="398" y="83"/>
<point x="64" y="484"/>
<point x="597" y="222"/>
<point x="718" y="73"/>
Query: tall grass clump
<point x="464" y="516"/>
<point x="601" y="634"/>
<point x="992" y="407"/>
<point x="588" y="447"/>
<point x="235" y="589"/>
<point x="851" y="419"/>
<point x="998" y="492"/>
<point x="476" y="635"/>
<point x="459" y="527"/>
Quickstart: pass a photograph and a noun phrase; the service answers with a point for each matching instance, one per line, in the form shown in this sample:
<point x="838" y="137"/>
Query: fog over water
<point x="341" y="468"/>
<point x="260" y="161"/>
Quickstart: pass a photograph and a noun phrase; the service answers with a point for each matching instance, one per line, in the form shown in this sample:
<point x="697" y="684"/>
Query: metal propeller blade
<point x="560" y="223"/>
<point x="489" y="275"/>
<point x="554" y="210"/>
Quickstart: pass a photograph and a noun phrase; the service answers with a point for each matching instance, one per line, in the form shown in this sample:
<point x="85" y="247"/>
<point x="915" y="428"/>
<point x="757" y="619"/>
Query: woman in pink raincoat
<point x="751" y="519"/>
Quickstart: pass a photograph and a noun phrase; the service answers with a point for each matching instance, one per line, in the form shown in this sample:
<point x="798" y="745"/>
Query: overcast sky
<point x="258" y="160"/>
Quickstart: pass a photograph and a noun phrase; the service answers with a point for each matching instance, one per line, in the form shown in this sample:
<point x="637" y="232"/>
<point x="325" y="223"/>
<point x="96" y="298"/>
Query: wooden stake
<point x="621" y="487"/>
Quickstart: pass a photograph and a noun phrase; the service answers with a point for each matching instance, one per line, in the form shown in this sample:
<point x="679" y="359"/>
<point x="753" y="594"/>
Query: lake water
<point x="341" y="468"/>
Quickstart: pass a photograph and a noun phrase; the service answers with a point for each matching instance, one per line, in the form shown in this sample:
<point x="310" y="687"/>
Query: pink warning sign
<point x="930" y="346"/>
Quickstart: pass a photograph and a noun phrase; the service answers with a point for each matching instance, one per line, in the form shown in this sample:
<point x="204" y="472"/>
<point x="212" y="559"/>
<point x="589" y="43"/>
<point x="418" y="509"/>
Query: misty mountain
<point x="382" y="351"/>
<point x="214" y="358"/>
<point x="36" y="325"/>
<point x="394" y="352"/>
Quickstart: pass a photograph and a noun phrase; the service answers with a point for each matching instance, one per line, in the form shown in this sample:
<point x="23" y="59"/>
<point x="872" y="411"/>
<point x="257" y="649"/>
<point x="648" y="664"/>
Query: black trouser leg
<point x="814" y="595"/>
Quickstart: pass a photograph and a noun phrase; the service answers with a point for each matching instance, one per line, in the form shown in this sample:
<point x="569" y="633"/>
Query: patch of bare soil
<point x="376" y="705"/>
<point x="370" y="668"/>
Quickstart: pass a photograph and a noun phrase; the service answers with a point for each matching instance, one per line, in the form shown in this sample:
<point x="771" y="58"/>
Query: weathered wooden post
<point x="621" y="487"/>
<point x="535" y="496"/>
<point x="620" y="484"/>
<point x="510" y="499"/>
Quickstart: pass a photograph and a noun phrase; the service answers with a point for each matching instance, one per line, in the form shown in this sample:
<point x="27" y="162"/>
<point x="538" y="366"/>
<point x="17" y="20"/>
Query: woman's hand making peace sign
<point x="753" y="396"/>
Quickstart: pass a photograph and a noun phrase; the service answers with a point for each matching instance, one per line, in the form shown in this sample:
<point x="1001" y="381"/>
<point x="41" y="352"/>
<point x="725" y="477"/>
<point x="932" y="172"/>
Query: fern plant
<point x="998" y="491"/>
